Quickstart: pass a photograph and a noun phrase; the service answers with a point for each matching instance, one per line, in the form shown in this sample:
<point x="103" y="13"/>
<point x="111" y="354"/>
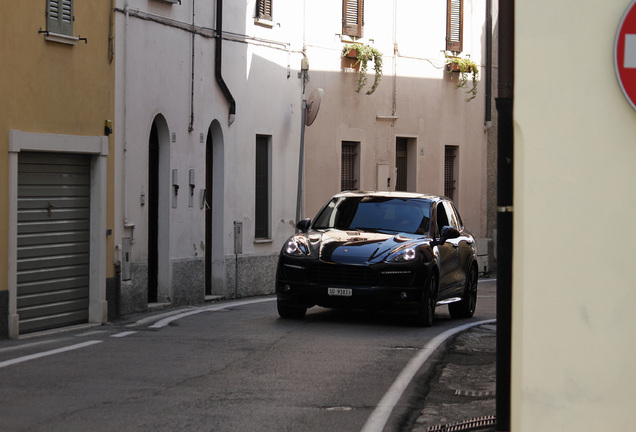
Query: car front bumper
<point x="396" y="288"/>
<point x="372" y="298"/>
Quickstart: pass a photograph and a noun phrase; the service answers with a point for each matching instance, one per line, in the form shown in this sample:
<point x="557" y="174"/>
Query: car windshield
<point x="372" y="213"/>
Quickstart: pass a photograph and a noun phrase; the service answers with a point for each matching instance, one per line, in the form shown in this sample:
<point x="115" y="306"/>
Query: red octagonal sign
<point x="625" y="54"/>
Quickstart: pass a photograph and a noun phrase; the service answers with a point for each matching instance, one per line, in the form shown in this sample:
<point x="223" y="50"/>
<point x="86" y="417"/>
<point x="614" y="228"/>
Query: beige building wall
<point x="416" y="100"/>
<point x="53" y="88"/>
<point x="573" y="325"/>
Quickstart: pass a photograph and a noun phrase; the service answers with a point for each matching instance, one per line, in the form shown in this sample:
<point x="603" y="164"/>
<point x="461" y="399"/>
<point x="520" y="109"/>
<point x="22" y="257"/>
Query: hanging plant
<point x="466" y="67"/>
<point x="362" y="54"/>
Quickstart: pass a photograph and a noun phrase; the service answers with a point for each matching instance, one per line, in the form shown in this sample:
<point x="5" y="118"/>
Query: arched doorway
<point x="153" y="213"/>
<point x="158" y="212"/>
<point x="209" y="193"/>
<point x="214" y="196"/>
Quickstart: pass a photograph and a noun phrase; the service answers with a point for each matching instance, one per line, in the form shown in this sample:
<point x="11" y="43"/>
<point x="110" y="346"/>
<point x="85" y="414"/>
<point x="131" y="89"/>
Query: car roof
<point x="387" y="194"/>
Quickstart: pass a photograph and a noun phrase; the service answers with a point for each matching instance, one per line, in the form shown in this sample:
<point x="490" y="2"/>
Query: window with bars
<point x="349" y="166"/>
<point x="262" y="187"/>
<point x="264" y="9"/>
<point x="450" y="171"/>
<point x="352" y="17"/>
<point x="59" y="17"/>
<point x="454" y="25"/>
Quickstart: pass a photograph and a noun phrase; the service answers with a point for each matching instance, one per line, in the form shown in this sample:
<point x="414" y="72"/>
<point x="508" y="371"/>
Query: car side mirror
<point x="448" y="232"/>
<point x="303" y="225"/>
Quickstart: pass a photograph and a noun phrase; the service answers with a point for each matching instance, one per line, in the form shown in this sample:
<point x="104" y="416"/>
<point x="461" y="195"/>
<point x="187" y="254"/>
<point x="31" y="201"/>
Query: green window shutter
<point x="352" y="17"/>
<point x="60" y="17"/>
<point x="454" y="26"/>
<point x="264" y="9"/>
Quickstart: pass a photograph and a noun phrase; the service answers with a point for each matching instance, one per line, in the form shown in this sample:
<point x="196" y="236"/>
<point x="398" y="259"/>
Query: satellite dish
<point x="313" y="105"/>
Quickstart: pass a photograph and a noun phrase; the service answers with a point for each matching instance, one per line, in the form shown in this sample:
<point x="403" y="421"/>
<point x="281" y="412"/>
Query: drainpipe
<point x="127" y="224"/>
<point x="218" y="61"/>
<point x="191" y="125"/>
<point x="304" y="68"/>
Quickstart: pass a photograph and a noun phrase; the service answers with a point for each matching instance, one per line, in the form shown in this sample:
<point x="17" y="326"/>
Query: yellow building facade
<point x="57" y="86"/>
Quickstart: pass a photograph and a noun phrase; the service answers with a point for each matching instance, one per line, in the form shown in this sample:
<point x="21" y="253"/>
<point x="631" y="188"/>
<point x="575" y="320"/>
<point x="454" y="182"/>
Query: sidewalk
<point x="462" y="389"/>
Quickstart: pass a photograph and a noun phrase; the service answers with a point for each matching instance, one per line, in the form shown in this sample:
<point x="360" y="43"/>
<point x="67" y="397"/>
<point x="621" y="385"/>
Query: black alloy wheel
<point x="426" y="315"/>
<point x="292" y="312"/>
<point x="466" y="307"/>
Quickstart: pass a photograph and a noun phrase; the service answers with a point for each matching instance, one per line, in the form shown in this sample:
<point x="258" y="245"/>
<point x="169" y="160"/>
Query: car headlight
<point x="296" y="246"/>
<point x="401" y="255"/>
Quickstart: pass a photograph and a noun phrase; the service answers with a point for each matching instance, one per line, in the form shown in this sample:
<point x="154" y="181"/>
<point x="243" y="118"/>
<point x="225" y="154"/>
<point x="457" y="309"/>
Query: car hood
<point x="357" y="247"/>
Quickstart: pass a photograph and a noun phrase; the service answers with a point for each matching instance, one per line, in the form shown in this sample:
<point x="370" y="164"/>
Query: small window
<point x="349" y="166"/>
<point x="264" y="10"/>
<point x="262" y="187"/>
<point x="59" y="17"/>
<point x="454" y="25"/>
<point x="352" y="17"/>
<point x="450" y="171"/>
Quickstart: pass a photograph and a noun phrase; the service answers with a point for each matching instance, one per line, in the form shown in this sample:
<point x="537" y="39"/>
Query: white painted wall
<point x="154" y="69"/>
<point x="573" y="288"/>
<point x="261" y="68"/>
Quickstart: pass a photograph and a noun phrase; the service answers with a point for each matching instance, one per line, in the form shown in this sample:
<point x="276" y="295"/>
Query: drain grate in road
<point x="472" y="393"/>
<point x="479" y="423"/>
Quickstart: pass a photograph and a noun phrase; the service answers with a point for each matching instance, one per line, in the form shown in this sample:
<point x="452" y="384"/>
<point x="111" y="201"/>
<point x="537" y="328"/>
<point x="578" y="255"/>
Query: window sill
<point x="60" y="38"/>
<point x="264" y="22"/>
<point x="347" y="39"/>
<point x="263" y="241"/>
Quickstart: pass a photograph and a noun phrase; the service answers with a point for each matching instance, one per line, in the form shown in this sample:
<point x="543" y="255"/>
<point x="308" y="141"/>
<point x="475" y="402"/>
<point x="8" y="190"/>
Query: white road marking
<point x="47" y="353"/>
<point x="123" y="334"/>
<point x="380" y="415"/>
<point x="32" y="344"/>
<point x="90" y="333"/>
<point x="153" y="318"/>
<point x="164" y="322"/>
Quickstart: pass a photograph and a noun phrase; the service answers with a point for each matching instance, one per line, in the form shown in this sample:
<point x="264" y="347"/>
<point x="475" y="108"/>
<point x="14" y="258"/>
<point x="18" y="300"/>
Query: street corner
<point x="463" y="389"/>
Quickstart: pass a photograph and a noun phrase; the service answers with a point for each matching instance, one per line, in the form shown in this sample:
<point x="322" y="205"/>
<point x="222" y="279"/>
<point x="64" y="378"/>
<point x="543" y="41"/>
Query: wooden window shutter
<point x="352" y="17"/>
<point x="59" y="16"/>
<point x="264" y="9"/>
<point x="454" y="25"/>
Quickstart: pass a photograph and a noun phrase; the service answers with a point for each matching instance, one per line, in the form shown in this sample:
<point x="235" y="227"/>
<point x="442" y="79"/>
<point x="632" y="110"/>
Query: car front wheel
<point x="466" y="307"/>
<point x="426" y="314"/>
<point x="288" y="311"/>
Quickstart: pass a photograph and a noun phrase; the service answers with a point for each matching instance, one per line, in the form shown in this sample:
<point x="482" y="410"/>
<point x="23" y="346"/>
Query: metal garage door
<point x="53" y="240"/>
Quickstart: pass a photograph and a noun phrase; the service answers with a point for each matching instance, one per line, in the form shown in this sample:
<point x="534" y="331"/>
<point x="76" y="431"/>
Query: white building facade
<point x="208" y="131"/>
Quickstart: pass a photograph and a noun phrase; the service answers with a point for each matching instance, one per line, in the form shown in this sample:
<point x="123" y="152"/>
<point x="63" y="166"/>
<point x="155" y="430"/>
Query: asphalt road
<point x="229" y="366"/>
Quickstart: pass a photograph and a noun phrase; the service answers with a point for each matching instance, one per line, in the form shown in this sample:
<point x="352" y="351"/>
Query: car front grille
<point x="346" y="275"/>
<point x="334" y="274"/>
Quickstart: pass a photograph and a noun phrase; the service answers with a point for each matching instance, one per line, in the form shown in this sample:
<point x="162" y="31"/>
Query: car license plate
<point x="341" y="292"/>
